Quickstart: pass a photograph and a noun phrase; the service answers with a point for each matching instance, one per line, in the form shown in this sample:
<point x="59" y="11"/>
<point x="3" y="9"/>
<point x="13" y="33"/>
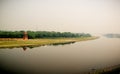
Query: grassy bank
<point x="39" y="42"/>
<point x="107" y="70"/>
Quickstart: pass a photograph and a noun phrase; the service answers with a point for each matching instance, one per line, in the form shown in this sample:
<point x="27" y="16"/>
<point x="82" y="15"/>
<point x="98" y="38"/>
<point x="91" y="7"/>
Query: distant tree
<point x="40" y="34"/>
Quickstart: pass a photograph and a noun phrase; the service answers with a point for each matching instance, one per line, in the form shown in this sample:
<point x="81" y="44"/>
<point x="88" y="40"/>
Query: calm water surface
<point x="73" y="58"/>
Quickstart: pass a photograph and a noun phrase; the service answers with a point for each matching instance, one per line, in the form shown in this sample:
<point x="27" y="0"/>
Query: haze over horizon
<point x="88" y="16"/>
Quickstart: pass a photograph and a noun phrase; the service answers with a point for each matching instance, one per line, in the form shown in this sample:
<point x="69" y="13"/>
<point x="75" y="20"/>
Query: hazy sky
<point x="89" y="16"/>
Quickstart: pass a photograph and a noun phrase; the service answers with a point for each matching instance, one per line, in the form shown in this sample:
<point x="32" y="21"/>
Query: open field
<point x="39" y="42"/>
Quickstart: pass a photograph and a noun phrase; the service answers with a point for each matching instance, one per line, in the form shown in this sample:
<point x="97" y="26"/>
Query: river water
<point x="71" y="58"/>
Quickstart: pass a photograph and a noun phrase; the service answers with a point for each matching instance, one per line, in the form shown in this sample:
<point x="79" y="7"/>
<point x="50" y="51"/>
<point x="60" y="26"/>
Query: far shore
<point x="14" y="42"/>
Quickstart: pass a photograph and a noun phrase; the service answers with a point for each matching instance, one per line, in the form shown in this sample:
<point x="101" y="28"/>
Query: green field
<point x="39" y="42"/>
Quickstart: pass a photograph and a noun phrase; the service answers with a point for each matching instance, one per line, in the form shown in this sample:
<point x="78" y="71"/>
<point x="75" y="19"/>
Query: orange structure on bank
<point x="25" y="37"/>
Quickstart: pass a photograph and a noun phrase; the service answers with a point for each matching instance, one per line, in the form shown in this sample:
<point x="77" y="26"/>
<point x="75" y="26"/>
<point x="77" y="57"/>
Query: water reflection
<point x="33" y="46"/>
<point x="56" y="44"/>
<point x="24" y="48"/>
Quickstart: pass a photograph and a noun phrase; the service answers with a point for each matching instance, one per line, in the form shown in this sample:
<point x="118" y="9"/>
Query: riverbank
<point x="115" y="69"/>
<point x="4" y="43"/>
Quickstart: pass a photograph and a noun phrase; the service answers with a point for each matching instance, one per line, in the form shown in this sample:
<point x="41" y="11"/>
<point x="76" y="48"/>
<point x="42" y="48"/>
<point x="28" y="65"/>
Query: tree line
<point x="112" y="35"/>
<point x="40" y="34"/>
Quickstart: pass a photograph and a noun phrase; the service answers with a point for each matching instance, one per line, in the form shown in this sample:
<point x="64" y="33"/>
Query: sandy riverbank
<point x="39" y="42"/>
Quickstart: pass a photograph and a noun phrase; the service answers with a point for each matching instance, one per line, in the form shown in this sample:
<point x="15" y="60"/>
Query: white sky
<point x="89" y="16"/>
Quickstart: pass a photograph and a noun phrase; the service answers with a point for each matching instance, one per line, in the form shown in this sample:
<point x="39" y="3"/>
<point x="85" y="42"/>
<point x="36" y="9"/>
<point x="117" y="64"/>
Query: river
<point x="70" y="58"/>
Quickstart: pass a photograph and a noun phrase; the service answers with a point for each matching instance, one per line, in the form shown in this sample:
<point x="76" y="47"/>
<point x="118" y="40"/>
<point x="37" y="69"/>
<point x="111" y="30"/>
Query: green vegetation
<point x="41" y="34"/>
<point x="39" y="38"/>
<point x="11" y="34"/>
<point x="40" y="42"/>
